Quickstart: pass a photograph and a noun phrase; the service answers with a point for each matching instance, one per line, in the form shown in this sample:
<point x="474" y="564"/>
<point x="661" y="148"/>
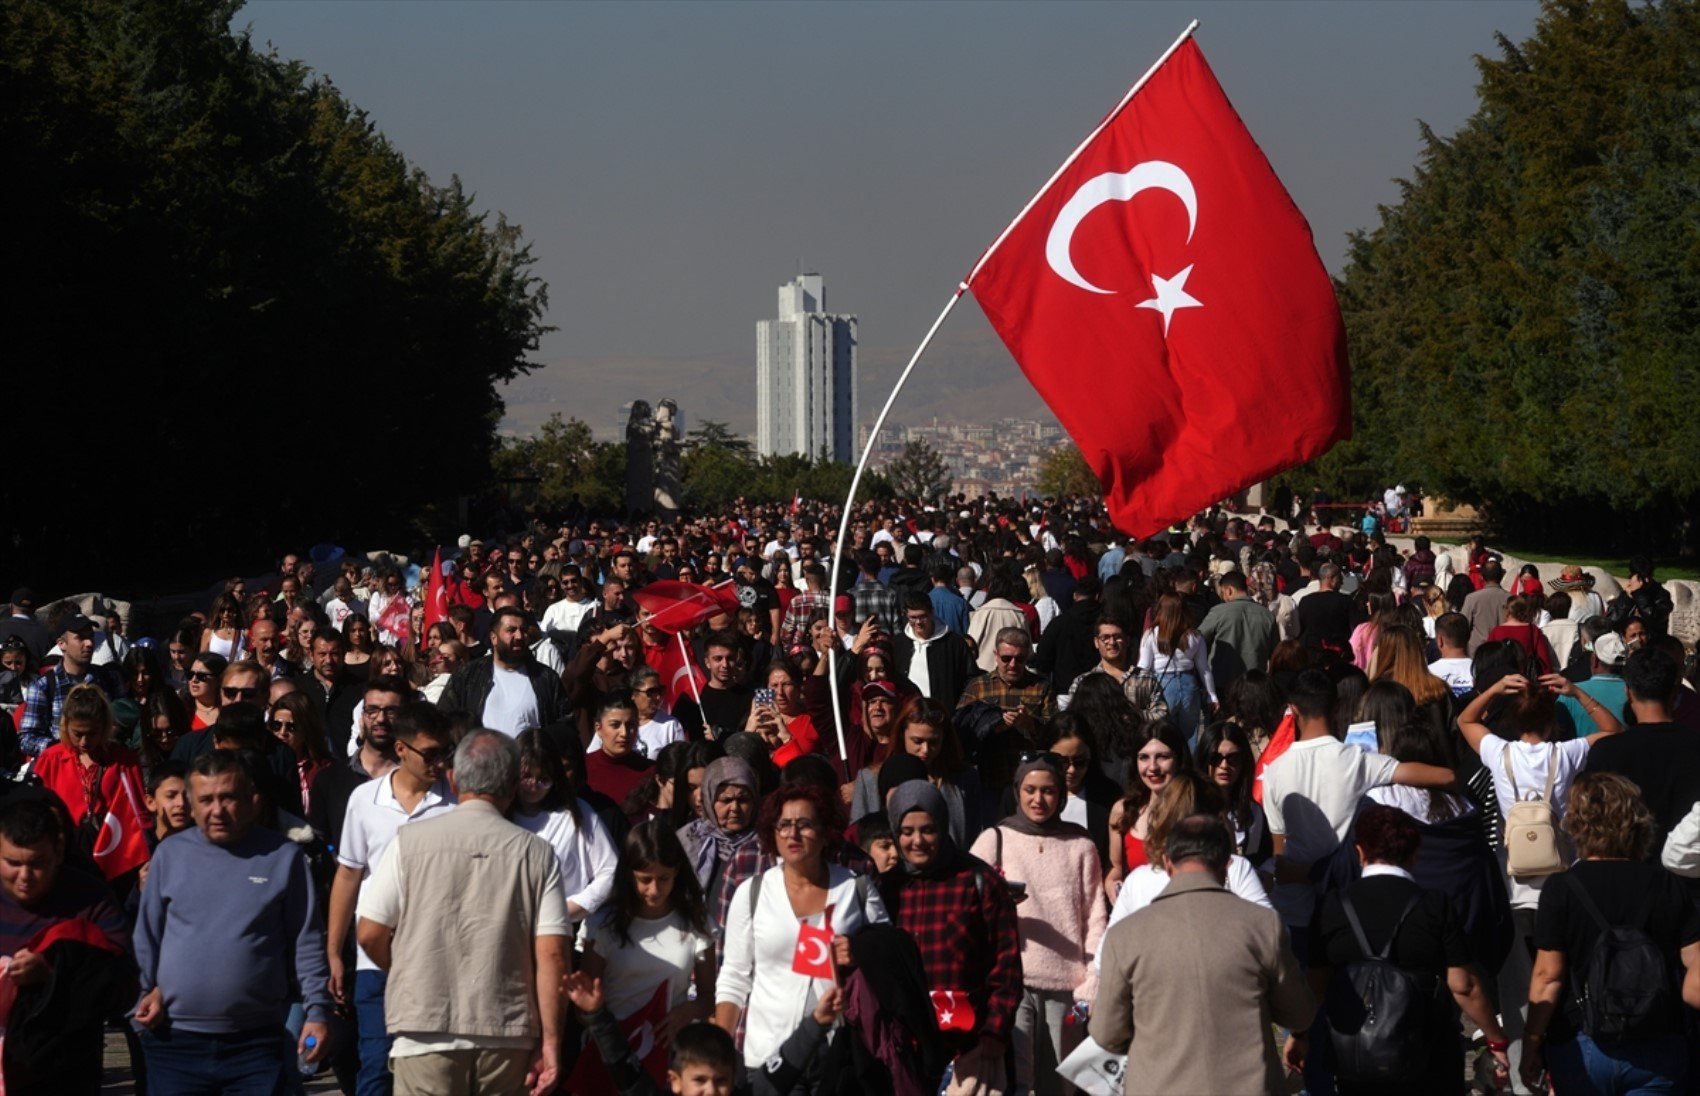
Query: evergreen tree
<point x="1525" y="322"/>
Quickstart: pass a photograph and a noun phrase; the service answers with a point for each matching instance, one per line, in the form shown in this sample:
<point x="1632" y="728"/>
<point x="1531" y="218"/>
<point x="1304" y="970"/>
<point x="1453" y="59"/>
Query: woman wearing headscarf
<point x="722" y="845"/>
<point x="1051" y="868"/>
<point x="962" y="918"/>
<point x="1265" y="589"/>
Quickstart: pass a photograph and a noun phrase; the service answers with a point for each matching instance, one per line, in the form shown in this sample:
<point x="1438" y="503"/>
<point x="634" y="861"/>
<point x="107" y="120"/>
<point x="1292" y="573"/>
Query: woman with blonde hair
<point x="1434" y="607"/>
<point x="1401" y="655"/>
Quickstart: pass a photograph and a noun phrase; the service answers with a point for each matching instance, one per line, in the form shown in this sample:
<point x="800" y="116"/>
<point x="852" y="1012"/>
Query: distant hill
<point x="965" y="377"/>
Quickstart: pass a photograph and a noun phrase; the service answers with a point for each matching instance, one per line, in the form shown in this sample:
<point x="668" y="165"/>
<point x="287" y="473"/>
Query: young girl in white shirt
<point x="653" y="931"/>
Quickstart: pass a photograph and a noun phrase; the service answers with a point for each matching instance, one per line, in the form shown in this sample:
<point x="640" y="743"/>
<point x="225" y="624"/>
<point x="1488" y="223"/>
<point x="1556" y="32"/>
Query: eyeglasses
<point x="383" y="712"/>
<point x="1220" y="758"/>
<point x="237" y="692"/>
<point x="799" y="826"/>
<point x="1117" y="638"/>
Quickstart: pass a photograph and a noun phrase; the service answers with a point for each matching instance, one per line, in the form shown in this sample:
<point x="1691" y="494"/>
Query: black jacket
<point x="470" y="687"/>
<point x="1066" y="649"/>
<point x="949" y="666"/>
<point x="336" y="710"/>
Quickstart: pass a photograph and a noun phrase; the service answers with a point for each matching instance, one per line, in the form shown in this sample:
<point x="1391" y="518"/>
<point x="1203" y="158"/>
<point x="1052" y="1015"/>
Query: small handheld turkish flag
<point x="121" y="844"/>
<point x="1286" y="733"/>
<point x="954" y="1009"/>
<point x="1164" y="296"/>
<point x="813" y="954"/>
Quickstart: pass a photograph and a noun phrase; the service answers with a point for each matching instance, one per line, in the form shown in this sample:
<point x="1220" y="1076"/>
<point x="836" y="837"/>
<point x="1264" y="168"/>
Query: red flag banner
<point x="590" y="1075"/>
<point x="813" y="954"/>
<point x="680" y="676"/>
<point x="954" y="1009"/>
<point x="681" y="606"/>
<point x="436" y="593"/>
<point x="1164" y="295"/>
<point x="122" y="845"/>
<point x="1286" y="733"/>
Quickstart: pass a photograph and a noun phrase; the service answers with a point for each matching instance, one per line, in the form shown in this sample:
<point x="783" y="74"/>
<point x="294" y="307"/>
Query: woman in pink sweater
<point x="1052" y="870"/>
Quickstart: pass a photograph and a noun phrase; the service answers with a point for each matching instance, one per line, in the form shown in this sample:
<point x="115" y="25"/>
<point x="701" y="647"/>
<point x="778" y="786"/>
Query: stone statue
<point x="669" y="488"/>
<point x="640" y="460"/>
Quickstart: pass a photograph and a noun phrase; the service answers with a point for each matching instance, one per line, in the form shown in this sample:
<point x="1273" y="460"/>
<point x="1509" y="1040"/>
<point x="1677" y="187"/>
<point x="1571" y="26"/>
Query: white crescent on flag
<point x="111" y="833"/>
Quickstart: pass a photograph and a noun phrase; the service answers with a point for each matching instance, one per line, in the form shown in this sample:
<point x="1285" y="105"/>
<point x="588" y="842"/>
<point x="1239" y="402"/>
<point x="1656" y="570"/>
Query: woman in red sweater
<point x="89" y="771"/>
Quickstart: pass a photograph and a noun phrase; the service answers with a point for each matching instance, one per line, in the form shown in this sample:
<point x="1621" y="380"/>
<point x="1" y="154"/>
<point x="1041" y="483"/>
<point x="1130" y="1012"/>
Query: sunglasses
<point x="203" y="676"/>
<point x="1049" y="757"/>
<point x="432" y="757"/>
<point x="276" y="725"/>
<point x="654" y="690"/>
<point x="1008" y="659"/>
<point x="1224" y="758"/>
<point x="236" y="692"/>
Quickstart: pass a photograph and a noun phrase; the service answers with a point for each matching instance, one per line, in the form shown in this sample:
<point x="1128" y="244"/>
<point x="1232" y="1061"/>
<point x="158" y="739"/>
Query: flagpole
<point x="1108" y="118"/>
<point x="690" y="671"/>
<point x="844" y="522"/>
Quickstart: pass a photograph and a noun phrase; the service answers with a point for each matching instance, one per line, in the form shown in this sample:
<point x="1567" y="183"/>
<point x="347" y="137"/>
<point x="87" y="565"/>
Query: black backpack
<point x="1624" y="987"/>
<point x="1379" y="1014"/>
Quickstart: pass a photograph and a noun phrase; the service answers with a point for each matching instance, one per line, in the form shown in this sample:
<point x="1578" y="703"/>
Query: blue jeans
<point x="1582" y="1067"/>
<point x="375" y="1078"/>
<point x="247" y="1063"/>
<point x="1181" y="691"/>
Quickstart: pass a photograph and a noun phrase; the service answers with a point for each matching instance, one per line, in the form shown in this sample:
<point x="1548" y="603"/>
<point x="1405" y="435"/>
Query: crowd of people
<point x="1255" y="804"/>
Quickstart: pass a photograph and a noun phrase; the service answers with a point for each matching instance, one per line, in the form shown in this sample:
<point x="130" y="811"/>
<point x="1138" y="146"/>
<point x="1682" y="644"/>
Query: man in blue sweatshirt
<point x="227" y="937"/>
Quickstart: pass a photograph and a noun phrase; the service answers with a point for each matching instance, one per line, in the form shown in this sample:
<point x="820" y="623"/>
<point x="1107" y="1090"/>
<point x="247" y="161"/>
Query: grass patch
<point x="1614" y="565"/>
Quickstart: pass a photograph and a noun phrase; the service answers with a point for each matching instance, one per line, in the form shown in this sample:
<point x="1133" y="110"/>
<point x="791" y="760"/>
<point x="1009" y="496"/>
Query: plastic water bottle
<point x="308" y="1069"/>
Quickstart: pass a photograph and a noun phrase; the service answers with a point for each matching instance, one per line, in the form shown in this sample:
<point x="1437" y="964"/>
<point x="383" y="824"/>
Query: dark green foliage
<point x="268" y="327"/>
<point x="919" y="472"/>
<point x="1525" y="322"/>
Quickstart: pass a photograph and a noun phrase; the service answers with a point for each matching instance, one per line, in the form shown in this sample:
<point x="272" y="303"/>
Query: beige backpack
<point x="1531" y="829"/>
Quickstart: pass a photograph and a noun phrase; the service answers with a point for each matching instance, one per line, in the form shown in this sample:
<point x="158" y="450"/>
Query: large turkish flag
<point x="1164" y="296"/>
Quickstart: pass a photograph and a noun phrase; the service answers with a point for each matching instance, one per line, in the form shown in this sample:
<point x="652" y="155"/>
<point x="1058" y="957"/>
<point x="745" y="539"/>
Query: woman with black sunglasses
<point x="1224" y="757"/>
<point x="200" y="689"/>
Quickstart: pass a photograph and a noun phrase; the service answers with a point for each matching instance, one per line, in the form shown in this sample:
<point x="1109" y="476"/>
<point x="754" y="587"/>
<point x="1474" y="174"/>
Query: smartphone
<point x="764" y="696"/>
<point x="1017" y="891"/>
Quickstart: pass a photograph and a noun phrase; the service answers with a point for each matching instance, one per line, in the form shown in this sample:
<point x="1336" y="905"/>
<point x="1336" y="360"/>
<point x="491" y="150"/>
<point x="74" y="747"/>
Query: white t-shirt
<point x="664" y="950"/>
<point x="1310" y="795"/>
<point x="374" y="815"/>
<point x="512" y="704"/>
<point x="548" y="655"/>
<point x="1529" y="765"/>
<point x="566" y="616"/>
<point x="1458" y="673"/>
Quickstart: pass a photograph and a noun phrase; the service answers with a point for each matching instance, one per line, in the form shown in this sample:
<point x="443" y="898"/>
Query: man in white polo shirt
<point x="416" y="788"/>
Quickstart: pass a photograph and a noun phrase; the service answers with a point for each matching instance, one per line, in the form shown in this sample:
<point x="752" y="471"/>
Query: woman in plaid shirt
<point x="962" y="918"/>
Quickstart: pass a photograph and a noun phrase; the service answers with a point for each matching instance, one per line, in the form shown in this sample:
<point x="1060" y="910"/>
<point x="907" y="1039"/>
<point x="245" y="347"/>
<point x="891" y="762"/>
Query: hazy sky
<point x="673" y="163"/>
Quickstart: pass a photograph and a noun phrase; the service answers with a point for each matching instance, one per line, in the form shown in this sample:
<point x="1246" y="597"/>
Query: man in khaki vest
<point x="466" y="912"/>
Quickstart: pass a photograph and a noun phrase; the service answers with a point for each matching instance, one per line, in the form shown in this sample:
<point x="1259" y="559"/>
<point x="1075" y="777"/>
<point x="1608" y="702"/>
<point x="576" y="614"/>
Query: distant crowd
<point x="1015" y="804"/>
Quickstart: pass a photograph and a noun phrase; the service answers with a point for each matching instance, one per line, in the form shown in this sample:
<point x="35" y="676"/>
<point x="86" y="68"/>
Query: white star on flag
<point x="1171" y="296"/>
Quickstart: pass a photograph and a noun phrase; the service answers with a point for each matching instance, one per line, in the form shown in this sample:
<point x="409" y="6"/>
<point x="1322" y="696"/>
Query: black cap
<point x="76" y="622"/>
<point x="23" y="597"/>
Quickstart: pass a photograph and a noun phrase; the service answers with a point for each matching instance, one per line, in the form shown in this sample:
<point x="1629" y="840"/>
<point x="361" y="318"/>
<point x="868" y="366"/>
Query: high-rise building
<point x="806" y="376"/>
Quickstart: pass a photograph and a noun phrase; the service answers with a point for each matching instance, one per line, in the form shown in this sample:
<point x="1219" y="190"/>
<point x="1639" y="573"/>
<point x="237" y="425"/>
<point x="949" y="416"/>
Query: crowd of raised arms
<point x="1248" y="805"/>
